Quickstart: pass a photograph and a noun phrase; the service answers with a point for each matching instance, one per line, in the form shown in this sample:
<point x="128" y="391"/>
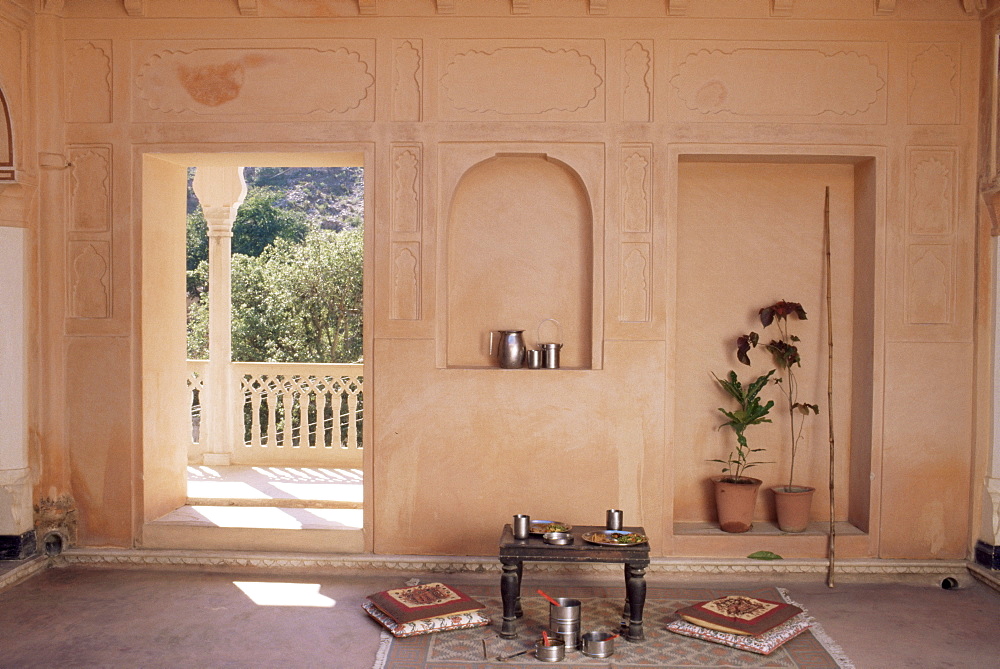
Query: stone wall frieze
<point x="598" y="7"/>
<point x="519" y="79"/>
<point x="795" y="82"/>
<point x="368" y="7"/>
<point x="933" y="83"/>
<point x="196" y="81"/>
<point x="445" y="6"/>
<point x="88" y="81"/>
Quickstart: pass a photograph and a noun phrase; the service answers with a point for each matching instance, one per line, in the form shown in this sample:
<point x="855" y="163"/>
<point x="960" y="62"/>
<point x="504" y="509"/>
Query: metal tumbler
<point x="521" y="526"/>
<point x="614" y="519"/>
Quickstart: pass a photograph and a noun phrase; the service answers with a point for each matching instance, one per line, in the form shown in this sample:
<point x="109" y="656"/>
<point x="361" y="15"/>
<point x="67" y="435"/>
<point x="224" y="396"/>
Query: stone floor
<point x="80" y="616"/>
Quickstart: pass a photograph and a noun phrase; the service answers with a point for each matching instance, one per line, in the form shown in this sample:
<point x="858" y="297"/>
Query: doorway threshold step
<point x="280" y="503"/>
<point x="284" y="517"/>
<point x="257" y="528"/>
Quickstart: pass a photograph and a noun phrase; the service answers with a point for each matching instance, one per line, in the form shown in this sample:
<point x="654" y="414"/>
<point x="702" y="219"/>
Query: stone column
<point x="221" y="191"/>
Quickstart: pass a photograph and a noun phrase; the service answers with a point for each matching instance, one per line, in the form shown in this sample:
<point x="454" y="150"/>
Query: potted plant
<point x="735" y="493"/>
<point x="792" y="502"/>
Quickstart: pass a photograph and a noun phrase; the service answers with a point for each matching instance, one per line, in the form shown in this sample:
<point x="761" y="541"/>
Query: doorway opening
<point x="272" y="434"/>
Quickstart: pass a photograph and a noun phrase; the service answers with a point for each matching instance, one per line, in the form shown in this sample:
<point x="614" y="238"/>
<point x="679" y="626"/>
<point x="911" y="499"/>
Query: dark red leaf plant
<point x="786" y="356"/>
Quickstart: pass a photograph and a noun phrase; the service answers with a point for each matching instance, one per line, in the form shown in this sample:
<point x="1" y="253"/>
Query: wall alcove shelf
<point x="520" y="245"/>
<point x="776" y="204"/>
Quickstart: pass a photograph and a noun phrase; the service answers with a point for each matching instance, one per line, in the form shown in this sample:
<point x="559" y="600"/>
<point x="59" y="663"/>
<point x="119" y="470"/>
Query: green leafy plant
<point x="750" y="411"/>
<point x="786" y="356"/>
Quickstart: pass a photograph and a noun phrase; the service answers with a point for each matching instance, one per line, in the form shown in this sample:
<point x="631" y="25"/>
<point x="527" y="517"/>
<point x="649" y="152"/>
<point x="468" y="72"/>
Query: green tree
<point x="293" y="302"/>
<point x="261" y="220"/>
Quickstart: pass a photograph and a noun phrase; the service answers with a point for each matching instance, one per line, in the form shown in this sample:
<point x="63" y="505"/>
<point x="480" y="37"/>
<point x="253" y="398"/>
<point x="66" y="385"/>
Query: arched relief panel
<point x="96" y="301"/>
<point x="934" y="256"/>
<point x="88" y="81"/>
<point x="407" y="79"/>
<point x="521" y="243"/>
<point x="933" y="83"/>
<point x="6" y="142"/>
<point x="635" y="253"/>
<point x="406" y="232"/>
<point x="250" y="81"/>
<point x="637" y="81"/>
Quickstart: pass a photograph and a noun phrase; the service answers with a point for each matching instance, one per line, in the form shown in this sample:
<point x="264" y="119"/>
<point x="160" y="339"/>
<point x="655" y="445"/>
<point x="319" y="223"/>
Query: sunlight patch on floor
<point x="264" y="593"/>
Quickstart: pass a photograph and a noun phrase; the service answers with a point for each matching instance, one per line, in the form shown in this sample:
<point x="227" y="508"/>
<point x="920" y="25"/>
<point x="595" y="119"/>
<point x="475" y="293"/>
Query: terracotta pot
<point x="793" y="507"/>
<point x="735" y="503"/>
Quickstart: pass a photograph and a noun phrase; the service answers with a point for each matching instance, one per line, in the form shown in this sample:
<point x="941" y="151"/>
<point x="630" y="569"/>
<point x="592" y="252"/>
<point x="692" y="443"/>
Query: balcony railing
<point x="291" y="413"/>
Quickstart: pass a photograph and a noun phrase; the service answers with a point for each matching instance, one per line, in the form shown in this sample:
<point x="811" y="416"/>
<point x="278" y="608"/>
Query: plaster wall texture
<point x="692" y="151"/>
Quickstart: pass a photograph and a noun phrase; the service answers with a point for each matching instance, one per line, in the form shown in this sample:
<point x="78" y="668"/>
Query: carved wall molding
<point x="90" y="189"/>
<point x="635" y="254"/>
<point x="405" y="233"/>
<point x="933" y="83"/>
<point x="368" y="7"/>
<point x="782" y="7"/>
<point x="972" y="6"/>
<point x="407" y="80"/>
<point x="135" y="7"/>
<point x="51" y="6"/>
<point x="197" y="82"/>
<point x="483" y="80"/>
<point x="520" y="7"/>
<point x="677" y="7"/>
<point x="248" y="7"/>
<point x="883" y="7"/>
<point x="89" y="82"/>
<point x="794" y="82"/>
<point x="445" y="6"/>
<point x="637" y="91"/>
<point x="199" y="559"/>
<point x="90" y="279"/>
<point x="598" y="7"/>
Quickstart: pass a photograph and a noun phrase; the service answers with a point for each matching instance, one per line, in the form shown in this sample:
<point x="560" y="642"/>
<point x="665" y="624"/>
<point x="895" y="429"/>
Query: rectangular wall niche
<point x="750" y="233"/>
<point x="520" y="242"/>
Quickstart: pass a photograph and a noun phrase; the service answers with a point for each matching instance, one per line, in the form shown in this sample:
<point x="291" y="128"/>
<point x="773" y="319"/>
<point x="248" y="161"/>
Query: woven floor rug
<point x="601" y="610"/>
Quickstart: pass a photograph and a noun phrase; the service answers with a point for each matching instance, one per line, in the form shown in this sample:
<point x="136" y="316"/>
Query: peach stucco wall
<point x="683" y="147"/>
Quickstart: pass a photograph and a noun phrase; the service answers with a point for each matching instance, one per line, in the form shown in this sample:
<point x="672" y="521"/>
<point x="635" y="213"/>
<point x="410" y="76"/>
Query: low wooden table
<point x="515" y="552"/>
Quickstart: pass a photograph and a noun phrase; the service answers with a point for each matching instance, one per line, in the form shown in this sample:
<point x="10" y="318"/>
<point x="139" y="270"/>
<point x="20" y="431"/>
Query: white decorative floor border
<point x="708" y="567"/>
<point x="22" y="572"/>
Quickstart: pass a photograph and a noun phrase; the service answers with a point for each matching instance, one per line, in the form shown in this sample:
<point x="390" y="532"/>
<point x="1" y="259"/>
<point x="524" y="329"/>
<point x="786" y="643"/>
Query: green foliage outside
<point x="296" y="279"/>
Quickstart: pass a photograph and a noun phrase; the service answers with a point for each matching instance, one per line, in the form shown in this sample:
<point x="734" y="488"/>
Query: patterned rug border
<point x="831" y="647"/>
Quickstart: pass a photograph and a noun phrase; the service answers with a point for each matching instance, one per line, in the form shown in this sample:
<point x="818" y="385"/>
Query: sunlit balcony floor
<point x="284" y="508"/>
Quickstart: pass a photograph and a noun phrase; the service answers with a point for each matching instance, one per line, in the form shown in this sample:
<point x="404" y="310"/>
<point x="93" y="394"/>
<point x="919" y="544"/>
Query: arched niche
<point x="6" y="142"/>
<point x="520" y="250"/>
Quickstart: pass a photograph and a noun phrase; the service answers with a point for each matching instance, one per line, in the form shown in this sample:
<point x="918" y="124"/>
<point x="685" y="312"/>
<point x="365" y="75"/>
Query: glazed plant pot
<point x="793" y="507"/>
<point x="735" y="503"/>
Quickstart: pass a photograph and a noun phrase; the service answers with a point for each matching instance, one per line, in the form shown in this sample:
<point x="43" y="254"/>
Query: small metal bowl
<point x="558" y="538"/>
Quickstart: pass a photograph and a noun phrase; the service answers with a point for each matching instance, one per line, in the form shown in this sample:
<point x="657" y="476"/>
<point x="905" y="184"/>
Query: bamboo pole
<point x="831" y="546"/>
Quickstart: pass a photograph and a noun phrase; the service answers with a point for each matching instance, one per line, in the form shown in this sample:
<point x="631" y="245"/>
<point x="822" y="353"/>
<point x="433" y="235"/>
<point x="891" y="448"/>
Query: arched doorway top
<point x="6" y="142"/>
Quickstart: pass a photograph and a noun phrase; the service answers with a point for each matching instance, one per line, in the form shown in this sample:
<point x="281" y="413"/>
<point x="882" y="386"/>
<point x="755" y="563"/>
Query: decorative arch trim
<point x="6" y="142"/>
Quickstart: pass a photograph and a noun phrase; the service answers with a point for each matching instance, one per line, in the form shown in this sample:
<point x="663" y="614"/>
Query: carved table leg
<point x="510" y="593"/>
<point x="635" y="600"/>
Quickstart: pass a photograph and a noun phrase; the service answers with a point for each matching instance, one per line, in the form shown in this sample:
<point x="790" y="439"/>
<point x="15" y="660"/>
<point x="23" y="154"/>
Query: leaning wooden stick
<point x="829" y="382"/>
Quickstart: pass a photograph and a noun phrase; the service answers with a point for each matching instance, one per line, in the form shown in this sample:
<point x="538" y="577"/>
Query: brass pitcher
<point x="510" y="349"/>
